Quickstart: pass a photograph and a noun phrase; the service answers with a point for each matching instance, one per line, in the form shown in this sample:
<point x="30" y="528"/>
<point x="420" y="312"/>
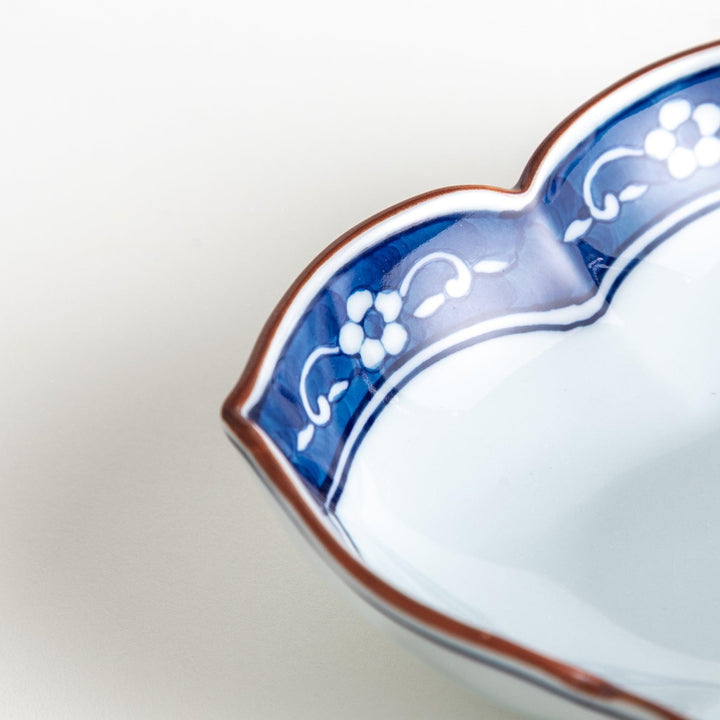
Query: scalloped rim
<point x="573" y="683"/>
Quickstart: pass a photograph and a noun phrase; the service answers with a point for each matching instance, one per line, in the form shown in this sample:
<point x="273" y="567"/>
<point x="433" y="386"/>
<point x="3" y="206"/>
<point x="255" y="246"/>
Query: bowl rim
<point x="572" y="682"/>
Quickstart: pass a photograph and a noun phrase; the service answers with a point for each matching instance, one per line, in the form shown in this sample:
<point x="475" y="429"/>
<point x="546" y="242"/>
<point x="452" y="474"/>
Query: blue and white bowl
<point x="496" y="413"/>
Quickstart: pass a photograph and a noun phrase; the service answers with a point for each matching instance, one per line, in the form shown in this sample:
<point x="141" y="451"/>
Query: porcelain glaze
<point x="498" y="412"/>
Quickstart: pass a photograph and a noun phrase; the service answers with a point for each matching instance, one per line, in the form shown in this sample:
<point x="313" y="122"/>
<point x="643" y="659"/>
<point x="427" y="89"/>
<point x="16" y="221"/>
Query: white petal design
<point x="632" y="192"/>
<point x="707" y="117"/>
<point x="394" y="338"/>
<point x="372" y="353"/>
<point x="491" y="266"/>
<point x="389" y="304"/>
<point x="682" y="163"/>
<point x="358" y="304"/>
<point x="305" y="436"/>
<point x="707" y="151"/>
<point x="577" y="229"/>
<point x="430" y="305"/>
<point x="338" y="390"/>
<point x="350" y="339"/>
<point x="659" y="144"/>
<point x="674" y="113"/>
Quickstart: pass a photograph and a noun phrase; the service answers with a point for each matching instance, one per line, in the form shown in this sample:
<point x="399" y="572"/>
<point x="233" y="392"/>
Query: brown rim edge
<point x="255" y="444"/>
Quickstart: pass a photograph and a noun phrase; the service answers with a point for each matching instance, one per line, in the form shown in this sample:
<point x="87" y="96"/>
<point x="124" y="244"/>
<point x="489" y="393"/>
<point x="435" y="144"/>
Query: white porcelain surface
<point x="496" y="412"/>
<point x="167" y="168"/>
<point x="561" y="489"/>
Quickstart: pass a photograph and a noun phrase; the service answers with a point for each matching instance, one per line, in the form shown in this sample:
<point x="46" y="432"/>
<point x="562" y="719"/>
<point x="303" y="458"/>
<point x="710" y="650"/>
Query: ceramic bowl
<point x="496" y="413"/>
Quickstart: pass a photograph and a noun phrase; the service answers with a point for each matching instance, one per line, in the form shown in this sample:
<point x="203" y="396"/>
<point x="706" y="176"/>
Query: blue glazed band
<point x="410" y="299"/>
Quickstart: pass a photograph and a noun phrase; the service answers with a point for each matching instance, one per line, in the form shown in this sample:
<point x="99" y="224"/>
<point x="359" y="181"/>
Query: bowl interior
<point x="507" y="403"/>
<point x="562" y="489"/>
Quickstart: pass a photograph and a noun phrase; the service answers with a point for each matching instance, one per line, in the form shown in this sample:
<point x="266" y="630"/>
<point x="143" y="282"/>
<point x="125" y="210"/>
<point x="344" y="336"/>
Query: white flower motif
<point x="371" y="329"/>
<point x="662" y="143"/>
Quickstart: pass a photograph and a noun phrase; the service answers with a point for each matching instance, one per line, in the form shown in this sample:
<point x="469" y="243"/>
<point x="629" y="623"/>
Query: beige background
<point x="166" y="169"/>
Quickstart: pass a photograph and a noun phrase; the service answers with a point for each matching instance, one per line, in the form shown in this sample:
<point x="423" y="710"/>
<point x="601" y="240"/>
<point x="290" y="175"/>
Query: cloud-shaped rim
<point x="571" y="682"/>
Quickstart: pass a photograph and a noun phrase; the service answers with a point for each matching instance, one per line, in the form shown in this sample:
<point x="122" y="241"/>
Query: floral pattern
<point x="376" y="325"/>
<point x="665" y="143"/>
<point x="686" y="140"/>
<point x="371" y="330"/>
